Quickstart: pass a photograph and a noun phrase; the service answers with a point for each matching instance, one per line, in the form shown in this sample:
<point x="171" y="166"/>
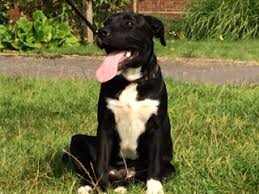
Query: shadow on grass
<point x="59" y="164"/>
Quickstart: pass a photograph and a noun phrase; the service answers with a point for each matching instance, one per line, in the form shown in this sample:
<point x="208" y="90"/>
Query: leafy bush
<point x="37" y="33"/>
<point x="104" y="8"/>
<point x="224" y="19"/>
<point x="4" y="7"/>
<point x="170" y="28"/>
<point x="60" y="10"/>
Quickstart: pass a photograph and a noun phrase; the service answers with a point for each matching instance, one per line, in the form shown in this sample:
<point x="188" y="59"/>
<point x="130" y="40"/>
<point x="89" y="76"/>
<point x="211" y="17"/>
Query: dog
<point x="133" y="138"/>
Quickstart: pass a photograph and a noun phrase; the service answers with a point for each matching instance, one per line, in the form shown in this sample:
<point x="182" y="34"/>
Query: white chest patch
<point x="131" y="116"/>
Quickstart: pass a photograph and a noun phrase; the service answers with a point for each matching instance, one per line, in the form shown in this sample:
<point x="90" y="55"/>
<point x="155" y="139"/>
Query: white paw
<point x="154" y="187"/>
<point x="121" y="190"/>
<point x="84" y="190"/>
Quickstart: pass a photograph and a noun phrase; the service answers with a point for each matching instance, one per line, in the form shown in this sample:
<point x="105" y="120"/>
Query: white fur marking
<point x="131" y="116"/>
<point x="121" y="190"/>
<point x="132" y="74"/>
<point x="154" y="187"/>
<point x="84" y="190"/>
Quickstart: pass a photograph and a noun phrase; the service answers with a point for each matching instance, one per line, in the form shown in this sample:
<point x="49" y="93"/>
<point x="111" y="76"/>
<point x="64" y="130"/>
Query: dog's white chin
<point x="131" y="74"/>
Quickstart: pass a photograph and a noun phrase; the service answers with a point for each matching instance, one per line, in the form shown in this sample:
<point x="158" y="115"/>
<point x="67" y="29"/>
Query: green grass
<point x="246" y="50"/>
<point x="215" y="132"/>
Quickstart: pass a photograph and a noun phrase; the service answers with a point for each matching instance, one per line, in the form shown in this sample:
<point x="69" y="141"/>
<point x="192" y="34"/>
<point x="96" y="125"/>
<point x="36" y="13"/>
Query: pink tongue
<point x="109" y="67"/>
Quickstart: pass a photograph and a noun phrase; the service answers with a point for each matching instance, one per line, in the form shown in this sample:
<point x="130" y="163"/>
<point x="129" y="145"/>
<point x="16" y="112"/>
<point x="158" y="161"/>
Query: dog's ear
<point x="157" y="28"/>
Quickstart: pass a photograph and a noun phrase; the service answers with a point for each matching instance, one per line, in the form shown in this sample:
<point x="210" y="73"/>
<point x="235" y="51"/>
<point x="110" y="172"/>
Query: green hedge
<point x="220" y="19"/>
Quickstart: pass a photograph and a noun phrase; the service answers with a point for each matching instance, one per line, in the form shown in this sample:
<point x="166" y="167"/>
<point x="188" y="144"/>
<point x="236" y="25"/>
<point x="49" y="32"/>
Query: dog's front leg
<point x="104" y="148"/>
<point x="154" y="185"/>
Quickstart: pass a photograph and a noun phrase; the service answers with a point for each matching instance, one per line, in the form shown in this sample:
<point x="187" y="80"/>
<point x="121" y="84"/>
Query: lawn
<point x="244" y="50"/>
<point x="215" y="132"/>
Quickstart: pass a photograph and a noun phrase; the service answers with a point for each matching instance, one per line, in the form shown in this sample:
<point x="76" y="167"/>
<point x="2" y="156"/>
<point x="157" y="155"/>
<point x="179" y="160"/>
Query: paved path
<point x="78" y="67"/>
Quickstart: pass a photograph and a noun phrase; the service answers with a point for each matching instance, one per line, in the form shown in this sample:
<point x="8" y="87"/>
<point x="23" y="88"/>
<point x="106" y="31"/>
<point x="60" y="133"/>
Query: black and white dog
<point x="133" y="135"/>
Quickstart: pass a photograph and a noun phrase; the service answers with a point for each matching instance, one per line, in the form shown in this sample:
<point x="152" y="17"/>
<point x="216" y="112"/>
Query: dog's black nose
<point x="104" y="32"/>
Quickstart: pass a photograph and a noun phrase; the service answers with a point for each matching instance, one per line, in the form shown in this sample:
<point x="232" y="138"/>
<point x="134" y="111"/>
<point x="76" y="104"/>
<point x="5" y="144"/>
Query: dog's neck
<point x="148" y="71"/>
<point x="151" y="70"/>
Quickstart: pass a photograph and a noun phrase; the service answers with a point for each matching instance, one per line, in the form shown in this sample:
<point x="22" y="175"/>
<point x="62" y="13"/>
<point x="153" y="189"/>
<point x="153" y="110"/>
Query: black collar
<point x="151" y="73"/>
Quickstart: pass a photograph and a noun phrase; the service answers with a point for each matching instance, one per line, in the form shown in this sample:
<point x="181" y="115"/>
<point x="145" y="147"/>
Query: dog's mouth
<point x="115" y="62"/>
<point x="128" y="56"/>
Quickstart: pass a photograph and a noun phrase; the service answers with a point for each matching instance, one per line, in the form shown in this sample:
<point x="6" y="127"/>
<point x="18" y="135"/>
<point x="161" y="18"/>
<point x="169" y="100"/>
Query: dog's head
<point x="128" y="40"/>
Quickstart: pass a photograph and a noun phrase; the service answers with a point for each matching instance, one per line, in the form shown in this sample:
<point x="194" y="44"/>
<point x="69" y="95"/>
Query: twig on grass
<point x="92" y="182"/>
<point x="125" y="164"/>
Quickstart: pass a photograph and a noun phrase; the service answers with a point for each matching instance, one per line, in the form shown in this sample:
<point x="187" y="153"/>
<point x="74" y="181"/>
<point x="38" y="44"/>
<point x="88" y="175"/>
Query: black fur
<point x="134" y="32"/>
